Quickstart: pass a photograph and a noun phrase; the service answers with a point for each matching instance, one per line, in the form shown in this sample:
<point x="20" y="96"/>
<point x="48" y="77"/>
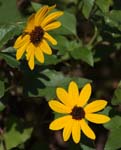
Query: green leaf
<point x="114" y="123"/>
<point x="50" y="60"/>
<point x="9" y="11"/>
<point x="10" y="60"/>
<point x="17" y="130"/>
<point x="68" y="26"/>
<point x="113" y="18"/>
<point x="8" y="50"/>
<point x="2" y="106"/>
<point x="67" y="46"/>
<point x="45" y="84"/>
<point x="84" y="54"/>
<point x="87" y="7"/>
<point x="104" y="5"/>
<point x="63" y="48"/>
<point x="36" y="6"/>
<point x="116" y="100"/>
<point x="85" y="147"/>
<point x="114" y="139"/>
<point x="2" y="88"/>
<point x="106" y="111"/>
<point x="7" y="32"/>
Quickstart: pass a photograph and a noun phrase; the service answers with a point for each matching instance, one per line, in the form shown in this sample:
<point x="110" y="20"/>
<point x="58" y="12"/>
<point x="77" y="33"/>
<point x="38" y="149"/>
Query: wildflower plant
<point x="74" y="105"/>
<point x="33" y="41"/>
<point x="60" y="74"/>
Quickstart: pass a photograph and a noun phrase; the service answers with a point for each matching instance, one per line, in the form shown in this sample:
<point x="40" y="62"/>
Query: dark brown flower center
<point x="36" y="35"/>
<point x="78" y="113"/>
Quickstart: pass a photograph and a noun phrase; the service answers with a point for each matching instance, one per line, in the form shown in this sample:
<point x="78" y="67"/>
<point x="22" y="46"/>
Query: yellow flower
<point x="74" y="105"/>
<point x="34" y="39"/>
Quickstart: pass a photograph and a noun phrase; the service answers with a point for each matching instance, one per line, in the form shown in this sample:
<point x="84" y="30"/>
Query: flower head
<point x="34" y="39"/>
<point x="77" y="112"/>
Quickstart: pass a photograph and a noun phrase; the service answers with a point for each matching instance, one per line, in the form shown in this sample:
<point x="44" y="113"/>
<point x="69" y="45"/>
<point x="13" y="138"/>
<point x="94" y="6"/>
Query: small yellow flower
<point x="34" y="39"/>
<point x="74" y="105"/>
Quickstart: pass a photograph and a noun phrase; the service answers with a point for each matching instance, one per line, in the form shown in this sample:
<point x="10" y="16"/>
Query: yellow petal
<point x="29" y="47"/>
<point x="50" y="18"/>
<point x="97" y="118"/>
<point x="59" y="107"/>
<point x="28" y="54"/>
<point x="50" y="38"/>
<point x="63" y="96"/>
<point x="40" y="15"/>
<point x="76" y="131"/>
<point x="87" y="130"/>
<point x="30" y="23"/>
<point x="51" y="7"/>
<point x="52" y="26"/>
<point x="84" y="95"/>
<point x="73" y="93"/>
<point x="95" y="106"/>
<point x="31" y="61"/>
<point x="45" y="47"/>
<point x="59" y="123"/>
<point x="39" y="55"/>
<point x="29" y="50"/>
<point x="21" y="51"/>
<point x="67" y="129"/>
<point x="21" y="40"/>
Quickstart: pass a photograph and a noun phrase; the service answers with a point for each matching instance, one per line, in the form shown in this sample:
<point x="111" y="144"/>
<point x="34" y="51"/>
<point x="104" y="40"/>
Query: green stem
<point x="93" y="38"/>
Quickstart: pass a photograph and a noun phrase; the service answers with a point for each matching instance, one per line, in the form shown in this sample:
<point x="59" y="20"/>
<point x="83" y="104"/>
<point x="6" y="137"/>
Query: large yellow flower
<point x="74" y="105"/>
<point x="34" y="39"/>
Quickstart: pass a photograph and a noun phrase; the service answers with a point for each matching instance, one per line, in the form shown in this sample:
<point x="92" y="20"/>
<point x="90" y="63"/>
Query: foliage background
<point x="88" y="50"/>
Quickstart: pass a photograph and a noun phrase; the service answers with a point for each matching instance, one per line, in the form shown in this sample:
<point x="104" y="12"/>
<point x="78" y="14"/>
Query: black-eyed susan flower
<point x="76" y="112"/>
<point x="34" y="39"/>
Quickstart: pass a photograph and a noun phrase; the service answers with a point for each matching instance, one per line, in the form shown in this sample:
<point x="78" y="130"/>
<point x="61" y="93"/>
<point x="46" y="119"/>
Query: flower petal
<point x="59" y="107"/>
<point x="29" y="50"/>
<point x="59" y="123"/>
<point x="67" y="129"/>
<point x="76" y="131"/>
<point x="31" y="60"/>
<point x="45" y="47"/>
<point x="52" y="26"/>
<point x="21" y="51"/>
<point x="40" y="15"/>
<point x="50" y="18"/>
<point x="30" y="23"/>
<point x="73" y="93"/>
<point x="95" y="106"/>
<point x="50" y="38"/>
<point x="87" y="130"/>
<point x="51" y="7"/>
<point x="30" y="47"/>
<point x="63" y="96"/>
<point x="39" y="55"/>
<point x="84" y="95"/>
<point x="21" y="40"/>
<point x="97" y="118"/>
